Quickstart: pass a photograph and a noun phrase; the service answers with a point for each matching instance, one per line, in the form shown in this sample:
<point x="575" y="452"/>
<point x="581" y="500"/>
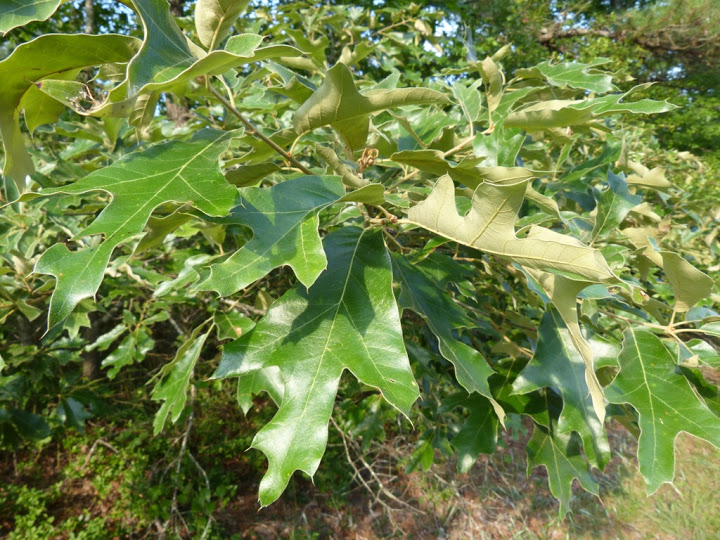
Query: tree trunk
<point x="89" y="17"/>
<point x="176" y="7"/>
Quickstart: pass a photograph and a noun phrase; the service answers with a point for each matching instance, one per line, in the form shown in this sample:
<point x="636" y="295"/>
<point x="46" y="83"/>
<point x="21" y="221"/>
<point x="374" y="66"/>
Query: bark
<point x="89" y="17"/>
<point x="176" y="7"/>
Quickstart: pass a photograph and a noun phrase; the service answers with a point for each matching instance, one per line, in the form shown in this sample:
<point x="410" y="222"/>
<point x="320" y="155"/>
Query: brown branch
<point x="255" y="133"/>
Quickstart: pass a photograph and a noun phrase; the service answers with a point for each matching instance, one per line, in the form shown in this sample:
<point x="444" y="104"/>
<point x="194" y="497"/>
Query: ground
<point x="116" y="481"/>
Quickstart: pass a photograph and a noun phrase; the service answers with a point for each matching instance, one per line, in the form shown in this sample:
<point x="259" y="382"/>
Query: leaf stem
<point x="254" y="132"/>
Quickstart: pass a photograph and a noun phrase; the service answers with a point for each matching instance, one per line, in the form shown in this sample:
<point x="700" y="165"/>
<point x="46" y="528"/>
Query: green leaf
<point x="434" y="162"/>
<point x="562" y="113"/>
<point x="30" y="62"/>
<point x="573" y="74"/>
<point x="284" y="219"/>
<point x="72" y="413"/>
<point x="478" y="435"/>
<point x="249" y="175"/>
<point x="489" y="227"/>
<point x="558" y="364"/>
<point x="347" y="320"/>
<point x="499" y="148"/>
<point x="613" y="204"/>
<point x="172" y="388"/>
<point x="428" y="298"/>
<point x="560" y="455"/>
<point x="175" y="171"/>
<point x="666" y="404"/>
<point x="493" y="79"/>
<point x="267" y="380"/>
<point x="167" y="59"/>
<point x="14" y="13"/>
<point x="469" y="98"/>
<point x="2" y="364"/>
<point x="689" y="284"/>
<point x="132" y="349"/>
<point x="231" y="324"/>
<point x="349" y="177"/>
<point x="337" y="103"/>
<point x="563" y="293"/>
<point x="214" y="19"/>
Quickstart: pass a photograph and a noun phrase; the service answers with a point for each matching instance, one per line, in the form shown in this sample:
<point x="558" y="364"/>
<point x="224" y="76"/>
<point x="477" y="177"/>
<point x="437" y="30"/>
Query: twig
<point x="92" y="450"/>
<point x="255" y="133"/>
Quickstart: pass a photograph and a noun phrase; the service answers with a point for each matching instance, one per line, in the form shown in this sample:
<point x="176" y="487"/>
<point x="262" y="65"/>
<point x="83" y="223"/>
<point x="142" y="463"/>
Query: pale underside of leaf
<point x="489" y="227"/>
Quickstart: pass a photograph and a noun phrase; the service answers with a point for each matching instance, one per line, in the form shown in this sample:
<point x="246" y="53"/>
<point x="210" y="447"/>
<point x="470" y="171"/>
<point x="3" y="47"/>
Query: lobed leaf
<point x="560" y="455"/>
<point x="337" y="103"/>
<point x="176" y="171"/>
<point x="349" y="320"/>
<point x="489" y="227"/>
<point x="558" y="364"/>
<point x="284" y="219"/>
<point x="666" y="404"/>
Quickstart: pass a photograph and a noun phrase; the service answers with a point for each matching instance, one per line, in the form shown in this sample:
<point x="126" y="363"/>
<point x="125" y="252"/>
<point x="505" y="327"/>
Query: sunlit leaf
<point x="285" y="221"/>
<point x="349" y="320"/>
<point x="174" y="171"/>
<point x="337" y="103"/>
<point x="649" y="381"/>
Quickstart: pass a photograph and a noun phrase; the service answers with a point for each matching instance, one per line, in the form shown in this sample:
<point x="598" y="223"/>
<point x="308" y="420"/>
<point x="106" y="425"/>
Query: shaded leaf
<point x="132" y="349"/>
<point x="560" y="455"/>
<point x="478" y="435"/>
<point x="428" y="298"/>
<point x="172" y="388"/>
<point x="558" y="364"/>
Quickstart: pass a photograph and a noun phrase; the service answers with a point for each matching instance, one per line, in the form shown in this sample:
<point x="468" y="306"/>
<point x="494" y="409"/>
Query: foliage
<point x="495" y="240"/>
